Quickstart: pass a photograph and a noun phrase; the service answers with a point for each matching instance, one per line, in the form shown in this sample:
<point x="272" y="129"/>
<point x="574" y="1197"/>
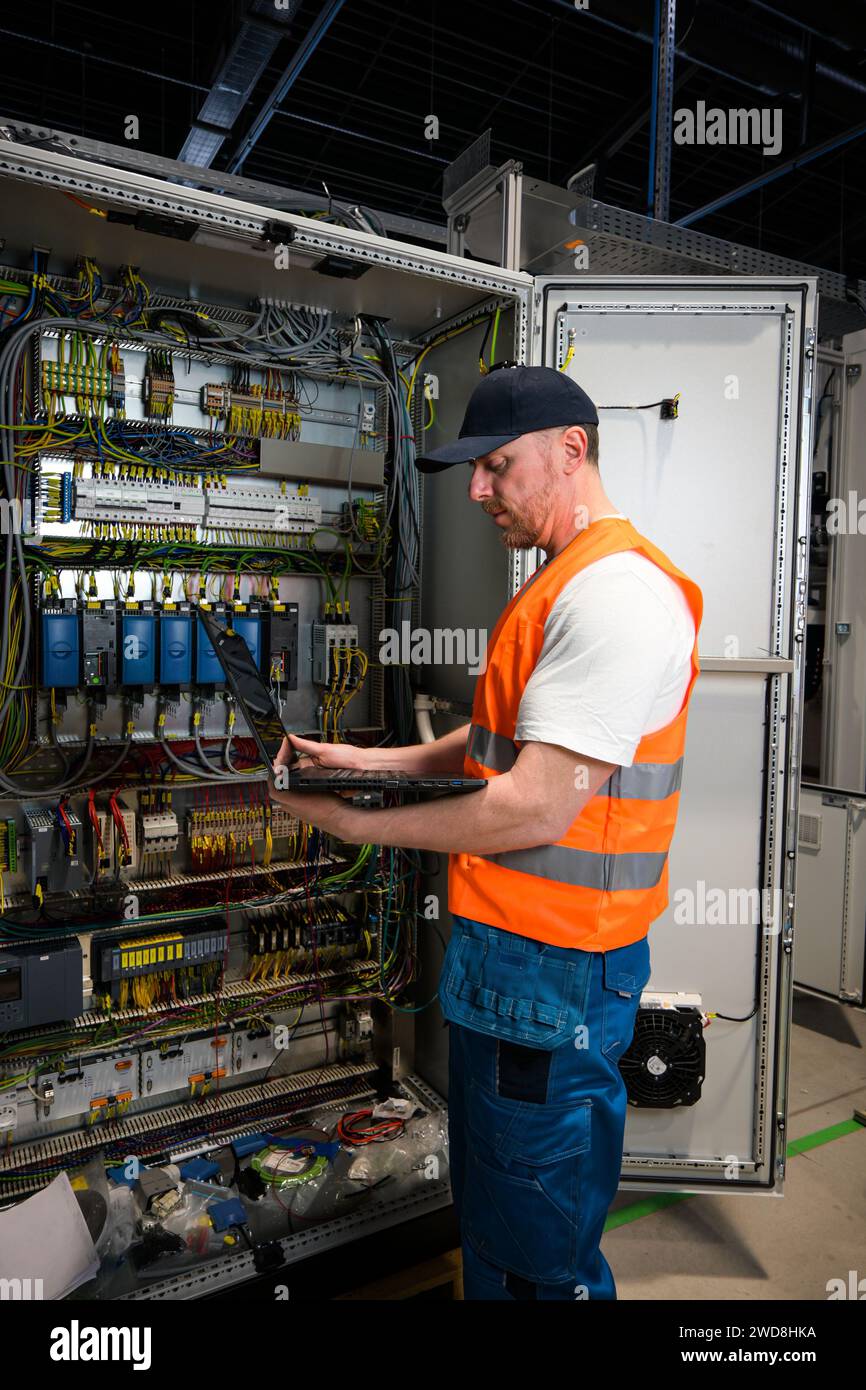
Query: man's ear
<point x="576" y="447"/>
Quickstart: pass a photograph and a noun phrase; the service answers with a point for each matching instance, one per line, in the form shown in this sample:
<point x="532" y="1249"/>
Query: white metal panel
<point x="690" y="484"/>
<point x="722" y="492"/>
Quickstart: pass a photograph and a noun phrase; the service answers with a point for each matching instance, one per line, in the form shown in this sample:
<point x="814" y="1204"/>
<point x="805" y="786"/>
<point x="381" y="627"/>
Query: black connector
<point x="341" y="268"/>
<point x="278" y="233"/>
<point x="268" y="1257"/>
<point x="156" y="223"/>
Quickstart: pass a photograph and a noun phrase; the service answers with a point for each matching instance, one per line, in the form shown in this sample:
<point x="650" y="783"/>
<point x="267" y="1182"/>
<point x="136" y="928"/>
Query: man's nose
<point x="479" y="485"/>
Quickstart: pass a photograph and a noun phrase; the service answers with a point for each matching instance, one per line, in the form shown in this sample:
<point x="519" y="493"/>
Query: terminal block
<point x="138" y="501"/>
<point x="117" y="961"/>
<point x="331" y="645"/>
<point x="260" y="505"/>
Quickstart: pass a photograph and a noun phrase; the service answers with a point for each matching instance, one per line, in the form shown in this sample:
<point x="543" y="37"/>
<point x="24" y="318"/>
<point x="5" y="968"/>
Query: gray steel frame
<point x="626" y="243"/>
<point x="624" y="235"/>
<point x="843" y="742"/>
<point x="244" y="220"/>
<point x="665" y="49"/>
<point x="193" y="175"/>
<point x="507" y="183"/>
<point x="849" y="938"/>
<point x="623" y="242"/>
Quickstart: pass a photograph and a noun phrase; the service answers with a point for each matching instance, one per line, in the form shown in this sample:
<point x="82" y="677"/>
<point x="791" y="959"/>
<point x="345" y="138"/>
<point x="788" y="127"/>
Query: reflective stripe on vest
<point x="493" y="750"/>
<point x="640" y="782"/>
<point x="645" y="781"/>
<point x="582" y="868"/>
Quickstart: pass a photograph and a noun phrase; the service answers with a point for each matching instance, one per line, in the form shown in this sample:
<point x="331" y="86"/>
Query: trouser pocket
<point x="626" y="972"/>
<point x="513" y="988"/>
<point x="522" y="1198"/>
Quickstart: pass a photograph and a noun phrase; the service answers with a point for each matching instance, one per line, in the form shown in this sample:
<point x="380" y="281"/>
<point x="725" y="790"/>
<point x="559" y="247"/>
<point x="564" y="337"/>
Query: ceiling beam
<point x="257" y="39"/>
<point x="805" y="157"/>
<point x="317" y="31"/>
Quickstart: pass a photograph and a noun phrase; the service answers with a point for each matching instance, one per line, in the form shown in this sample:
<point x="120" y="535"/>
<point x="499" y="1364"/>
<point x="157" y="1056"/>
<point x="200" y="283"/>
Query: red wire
<point x="372" y="1134"/>
<point x="94" y="818"/>
<point x="61" y="810"/>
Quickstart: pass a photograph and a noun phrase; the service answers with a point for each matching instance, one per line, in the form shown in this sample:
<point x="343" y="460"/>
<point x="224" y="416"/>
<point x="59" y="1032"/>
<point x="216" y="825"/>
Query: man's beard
<point x="525" y="526"/>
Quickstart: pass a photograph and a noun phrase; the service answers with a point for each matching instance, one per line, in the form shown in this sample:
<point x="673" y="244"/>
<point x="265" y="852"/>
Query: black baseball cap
<point x="509" y="402"/>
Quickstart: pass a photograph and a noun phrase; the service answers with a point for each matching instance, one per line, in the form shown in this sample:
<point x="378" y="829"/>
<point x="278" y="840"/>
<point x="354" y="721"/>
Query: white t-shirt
<point x="615" y="661"/>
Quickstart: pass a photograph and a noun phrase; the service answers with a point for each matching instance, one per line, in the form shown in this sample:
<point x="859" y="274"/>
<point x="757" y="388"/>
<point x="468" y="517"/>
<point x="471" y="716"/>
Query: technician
<point x="558" y="868"/>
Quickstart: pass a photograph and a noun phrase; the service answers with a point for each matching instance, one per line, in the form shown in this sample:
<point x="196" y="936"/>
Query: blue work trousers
<point x="536" y="1107"/>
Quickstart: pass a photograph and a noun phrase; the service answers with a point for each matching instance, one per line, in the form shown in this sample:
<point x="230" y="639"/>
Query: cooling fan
<point x="665" y="1064"/>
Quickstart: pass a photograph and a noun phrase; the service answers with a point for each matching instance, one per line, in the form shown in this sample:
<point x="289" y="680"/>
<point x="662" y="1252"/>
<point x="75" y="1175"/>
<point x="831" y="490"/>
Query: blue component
<point x="249" y="1144"/>
<point x="66" y="497"/>
<point x="60" y="650"/>
<point x="199" y="1169"/>
<point x="175" y="648"/>
<point x="316" y="1146"/>
<point x="207" y="668"/>
<point x="118" y="1175"/>
<point x="139" y="648"/>
<point x="227" y="1214"/>
<point x="249" y="626"/>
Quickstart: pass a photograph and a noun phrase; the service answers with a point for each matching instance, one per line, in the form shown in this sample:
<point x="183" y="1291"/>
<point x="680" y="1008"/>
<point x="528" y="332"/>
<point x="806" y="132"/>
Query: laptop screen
<point x="246" y="684"/>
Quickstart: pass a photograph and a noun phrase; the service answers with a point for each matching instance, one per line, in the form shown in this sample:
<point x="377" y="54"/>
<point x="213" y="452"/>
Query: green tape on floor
<point x="635" y="1210"/>
<point x="822" y="1136"/>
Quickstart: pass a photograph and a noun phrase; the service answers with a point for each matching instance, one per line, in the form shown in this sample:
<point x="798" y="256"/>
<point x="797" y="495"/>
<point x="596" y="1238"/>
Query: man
<point x="558" y="868"/>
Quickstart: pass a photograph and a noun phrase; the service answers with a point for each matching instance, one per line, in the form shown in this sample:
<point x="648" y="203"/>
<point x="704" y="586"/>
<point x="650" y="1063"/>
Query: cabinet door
<point x="723" y="490"/>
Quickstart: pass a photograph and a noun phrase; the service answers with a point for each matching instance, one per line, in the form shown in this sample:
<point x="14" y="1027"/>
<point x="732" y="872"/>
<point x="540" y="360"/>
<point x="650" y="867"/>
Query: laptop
<point x="257" y="705"/>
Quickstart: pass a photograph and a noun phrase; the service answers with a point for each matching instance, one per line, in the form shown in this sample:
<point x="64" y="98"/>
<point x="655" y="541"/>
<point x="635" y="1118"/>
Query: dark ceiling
<point x="559" y="86"/>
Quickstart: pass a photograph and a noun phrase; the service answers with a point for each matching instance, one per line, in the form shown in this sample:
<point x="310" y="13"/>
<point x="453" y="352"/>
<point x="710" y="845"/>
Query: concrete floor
<point x="764" y="1247"/>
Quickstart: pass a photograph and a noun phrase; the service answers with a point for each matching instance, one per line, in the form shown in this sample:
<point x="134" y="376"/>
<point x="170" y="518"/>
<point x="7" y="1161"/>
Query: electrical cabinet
<point x="261" y="468"/>
<point x="831" y="896"/>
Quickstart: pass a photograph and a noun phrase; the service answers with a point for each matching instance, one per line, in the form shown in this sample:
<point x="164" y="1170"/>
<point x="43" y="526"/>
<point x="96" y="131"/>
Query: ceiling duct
<point x="262" y="29"/>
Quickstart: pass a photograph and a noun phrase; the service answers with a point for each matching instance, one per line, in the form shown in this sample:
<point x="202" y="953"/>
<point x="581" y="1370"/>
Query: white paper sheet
<point x="46" y="1250"/>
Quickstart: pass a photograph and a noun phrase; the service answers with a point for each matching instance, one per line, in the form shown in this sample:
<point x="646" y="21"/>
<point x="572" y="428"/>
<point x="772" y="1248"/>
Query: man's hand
<point x="322" y="809"/>
<point x="307" y="752"/>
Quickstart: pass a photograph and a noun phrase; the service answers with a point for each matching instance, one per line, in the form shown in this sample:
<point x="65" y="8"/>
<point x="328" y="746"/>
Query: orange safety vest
<point x="606" y="880"/>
